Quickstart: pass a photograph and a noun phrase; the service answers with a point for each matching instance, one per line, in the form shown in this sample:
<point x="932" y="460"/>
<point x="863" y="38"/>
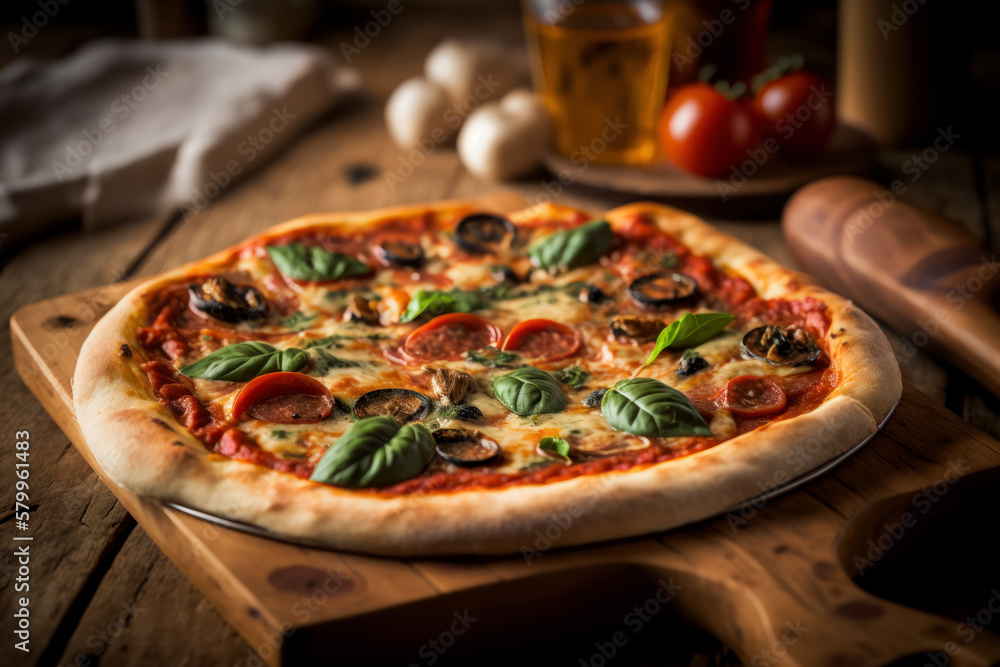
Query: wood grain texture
<point x="722" y="573"/>
<point x="80" y="593"/>
<point x="82" y="522"/>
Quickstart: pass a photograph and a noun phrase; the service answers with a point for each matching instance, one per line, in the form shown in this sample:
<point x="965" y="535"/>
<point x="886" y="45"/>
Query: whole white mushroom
<point x="476" y="70"/>
<point x="416" y="112"/>
<point x="503" y="140"/>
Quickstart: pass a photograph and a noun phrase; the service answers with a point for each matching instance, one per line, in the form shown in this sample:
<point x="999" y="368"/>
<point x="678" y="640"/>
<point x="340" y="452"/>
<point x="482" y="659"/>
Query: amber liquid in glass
<point x="602" y="72"/>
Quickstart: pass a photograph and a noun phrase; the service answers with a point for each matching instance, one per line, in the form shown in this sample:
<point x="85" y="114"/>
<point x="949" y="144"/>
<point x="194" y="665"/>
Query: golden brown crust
<point x="141" y="445"/>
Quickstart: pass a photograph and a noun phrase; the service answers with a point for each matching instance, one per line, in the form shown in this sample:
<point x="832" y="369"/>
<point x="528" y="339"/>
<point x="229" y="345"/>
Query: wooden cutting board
<point x="776" y="580"/>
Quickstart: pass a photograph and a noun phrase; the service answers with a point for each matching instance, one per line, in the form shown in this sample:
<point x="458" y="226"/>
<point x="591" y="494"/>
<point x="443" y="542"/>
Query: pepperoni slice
<point x="752" y="396"/>
<point x="448" y="336"/>
<point x="544" y="340"/>
<point x="284" y="398"/>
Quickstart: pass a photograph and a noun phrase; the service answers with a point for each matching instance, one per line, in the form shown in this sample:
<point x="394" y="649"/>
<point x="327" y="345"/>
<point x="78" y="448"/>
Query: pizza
<point x="440" y="379"/>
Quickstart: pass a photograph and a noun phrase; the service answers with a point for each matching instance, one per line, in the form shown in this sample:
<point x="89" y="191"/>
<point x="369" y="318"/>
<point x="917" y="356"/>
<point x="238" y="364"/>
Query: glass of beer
<point x="601" y="68"/>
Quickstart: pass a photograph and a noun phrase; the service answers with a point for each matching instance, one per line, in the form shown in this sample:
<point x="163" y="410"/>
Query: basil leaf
<point x="376" y="451"/>
<point x="314" y="263"/>
<point x="573" y="247"/>
<point x="690" y="331"/>
<point x="646" y="406"/>
<point x="529" y="391"/>
<point x="574" y="376"/>
<point x="491" y="357"/>
<point x="323" y="361"/>
<point x="436" y="303"/>
<point x="299" y="320"/>
<point x="335" y="338"/>
<point x="556" y="446"/>
<point x="242" y="362"/>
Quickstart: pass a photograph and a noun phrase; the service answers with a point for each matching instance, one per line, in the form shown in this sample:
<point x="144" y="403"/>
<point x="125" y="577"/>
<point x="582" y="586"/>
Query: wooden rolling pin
<point x="921" y="274"/>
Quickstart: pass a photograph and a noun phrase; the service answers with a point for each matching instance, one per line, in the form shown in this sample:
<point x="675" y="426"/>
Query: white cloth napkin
<point x="123" y="129"/>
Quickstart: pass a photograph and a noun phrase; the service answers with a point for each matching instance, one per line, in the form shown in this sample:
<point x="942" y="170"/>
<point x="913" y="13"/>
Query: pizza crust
<point x="141" y="445"/>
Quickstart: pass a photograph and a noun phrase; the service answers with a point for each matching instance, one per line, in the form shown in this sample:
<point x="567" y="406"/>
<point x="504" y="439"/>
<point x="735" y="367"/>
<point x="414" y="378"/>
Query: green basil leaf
<point x="331" y="341"/>
<point x="573" y="247"/>
<point x="242" y="362"/>
<point x="646" y="406"/>
<point x="491" y="357"/>
<point x="436" y="303"/>
<point x="299" y="320"/>
<point x="323" y="362"/>
<point x="529" y="391"/>
<point x="376" y="451"/>
<point x="574" y="376"/>
<point x="690" y="331"/>
<point x="555" y="446"/>
<point x="314" y="263"/>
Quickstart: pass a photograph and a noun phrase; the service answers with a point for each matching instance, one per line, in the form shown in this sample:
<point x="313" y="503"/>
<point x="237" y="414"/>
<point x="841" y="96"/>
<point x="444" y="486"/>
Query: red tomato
<point x="703" y="132"/>
<point x="752" y="396"/>
<point x="448" y="336"/>
<point x="261" y="396"/>
<point x="797" y="111"/>
<point x="543" y="339"/>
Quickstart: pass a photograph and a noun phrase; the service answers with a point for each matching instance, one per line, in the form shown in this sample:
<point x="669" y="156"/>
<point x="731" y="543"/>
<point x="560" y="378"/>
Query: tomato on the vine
<point x="704" y="132"/>
<point x="797" y="111"/>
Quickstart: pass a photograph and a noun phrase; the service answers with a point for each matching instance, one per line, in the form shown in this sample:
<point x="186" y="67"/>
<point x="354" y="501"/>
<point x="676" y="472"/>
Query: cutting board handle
<point x="923" y="275"/>
<point x="863" y="631"/>
<point x="791" y="598"/>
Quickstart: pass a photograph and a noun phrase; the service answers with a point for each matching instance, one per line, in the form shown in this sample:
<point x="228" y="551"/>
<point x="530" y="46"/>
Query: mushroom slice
<point x="482" y="233"/>
<point x="361" y="310"/>
<point x="663" y="289"/>
<point x="403" y="405"/>
<point x="780" y="346"/>
<point x="465" y="447"/>
<point x="219" y="298"/>
<point x="637" y="328"/>
<point x="451" y="386"/>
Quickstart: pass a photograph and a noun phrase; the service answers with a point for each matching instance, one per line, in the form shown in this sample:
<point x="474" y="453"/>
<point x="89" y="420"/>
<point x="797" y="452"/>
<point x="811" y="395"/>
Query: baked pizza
<point x="439" y="379"/>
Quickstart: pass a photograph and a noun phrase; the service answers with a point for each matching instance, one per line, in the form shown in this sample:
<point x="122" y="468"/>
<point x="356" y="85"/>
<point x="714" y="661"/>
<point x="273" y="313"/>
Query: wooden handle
<point x="925" y="276"/>
<point x="800" y="610"/>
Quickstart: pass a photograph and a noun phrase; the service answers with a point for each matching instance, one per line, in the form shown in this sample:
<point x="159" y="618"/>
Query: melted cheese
<point x="355" y="361"/>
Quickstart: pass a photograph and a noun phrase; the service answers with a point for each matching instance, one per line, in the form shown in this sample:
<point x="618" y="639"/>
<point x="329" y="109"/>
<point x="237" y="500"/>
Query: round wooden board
<point x="851" y="151"/>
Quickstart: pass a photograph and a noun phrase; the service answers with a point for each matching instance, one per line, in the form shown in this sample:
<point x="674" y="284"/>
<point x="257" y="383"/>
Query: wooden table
<point x="100" y="587"/>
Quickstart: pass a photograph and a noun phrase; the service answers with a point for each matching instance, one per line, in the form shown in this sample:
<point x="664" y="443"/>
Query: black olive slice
<point x="780" y="346"/>
<point x="469" y="413"/>
<point x="595" y="397"/>
<point x="219" y="298"/>
<point x="400" y="253"/>
<point x="482" y="233"/>
<point x="663" y="289"/>
<point x="690" y="365"/>
<point x="592" y="294"/>
<point x="505" y="274"/>
<point x="465" y="447"/>
<point x="402" y="404"/>
<point x="639" y="329"/>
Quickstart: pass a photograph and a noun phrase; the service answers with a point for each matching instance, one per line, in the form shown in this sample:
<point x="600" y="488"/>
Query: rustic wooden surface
<point x="96" y="559"/>
<point x="805" y="559"/>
